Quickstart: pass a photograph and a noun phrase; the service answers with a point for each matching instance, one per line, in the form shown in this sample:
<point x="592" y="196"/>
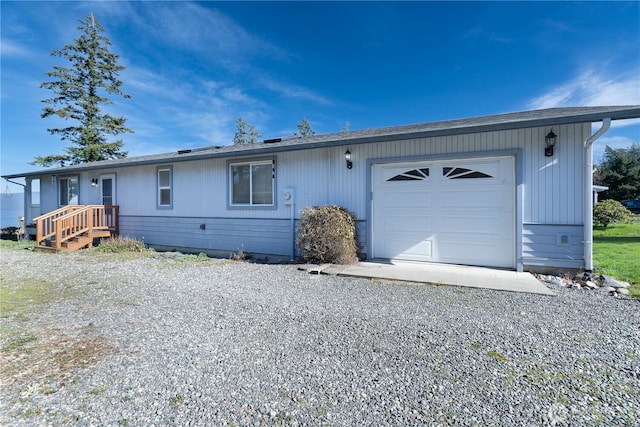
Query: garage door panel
<point x="451" y="211"/>
<point x="411" y="250"/>
<point x="487" y="253"/>
<point x="474" y="199"/>
<point x="407" y="199"/>
<point x="410" y="224"/>
<point x="474" y="228"/>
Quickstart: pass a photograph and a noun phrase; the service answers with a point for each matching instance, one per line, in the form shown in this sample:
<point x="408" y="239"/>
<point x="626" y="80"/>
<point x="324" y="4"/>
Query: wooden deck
<point x="74" y="227"/>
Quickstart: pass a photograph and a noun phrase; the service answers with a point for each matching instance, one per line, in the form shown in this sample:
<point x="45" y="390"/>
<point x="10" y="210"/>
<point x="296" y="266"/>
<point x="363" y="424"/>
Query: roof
<point x="518" y="120"/>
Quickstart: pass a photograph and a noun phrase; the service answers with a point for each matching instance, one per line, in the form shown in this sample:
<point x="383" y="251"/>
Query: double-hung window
<point x="251" y="183"/>
<point x="165" y="196"/>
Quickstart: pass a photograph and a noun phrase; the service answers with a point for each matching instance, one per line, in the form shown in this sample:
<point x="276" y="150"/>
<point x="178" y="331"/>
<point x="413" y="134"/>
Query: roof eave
<point x="446" y="128"/>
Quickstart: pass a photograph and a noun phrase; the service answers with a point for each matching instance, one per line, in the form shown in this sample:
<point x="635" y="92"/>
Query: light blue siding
<point x="549" y="196"/>
<point x="553" y="245"/>
<point x="266" y="236"/>
<point x="254" y="235"/>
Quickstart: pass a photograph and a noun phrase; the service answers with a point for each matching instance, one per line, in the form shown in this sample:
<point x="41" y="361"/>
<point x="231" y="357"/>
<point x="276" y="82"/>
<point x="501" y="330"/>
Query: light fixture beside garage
<point x="549" y="143"/>
<point x="347" y="157"/>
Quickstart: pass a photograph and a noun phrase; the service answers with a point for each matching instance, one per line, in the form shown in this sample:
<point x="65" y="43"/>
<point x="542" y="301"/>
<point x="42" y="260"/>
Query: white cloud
<point x="10" y="48"/>
<point x="294" y="91"/>
<point x="193" y="27"/>
<point x="591" y="88"/>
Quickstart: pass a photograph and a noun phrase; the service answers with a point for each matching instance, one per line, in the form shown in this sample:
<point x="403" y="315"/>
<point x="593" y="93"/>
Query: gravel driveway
<point x="174" y="340"/>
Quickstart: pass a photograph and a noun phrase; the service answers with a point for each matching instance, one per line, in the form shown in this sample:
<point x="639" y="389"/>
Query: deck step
<point x="48" y="249"/>
<point x="78" y="242"/>
<point x="101" y="233"/>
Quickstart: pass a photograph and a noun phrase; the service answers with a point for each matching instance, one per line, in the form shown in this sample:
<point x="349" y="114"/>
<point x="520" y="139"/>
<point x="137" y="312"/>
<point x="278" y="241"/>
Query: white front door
<point x="108" y="189"/>
<point x="453" y="211"/>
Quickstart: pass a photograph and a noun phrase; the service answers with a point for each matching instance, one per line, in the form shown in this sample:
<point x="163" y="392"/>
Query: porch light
<point x="94" y="182"/>
<point x="347" y="157"/>
<point x="549" y="142"/>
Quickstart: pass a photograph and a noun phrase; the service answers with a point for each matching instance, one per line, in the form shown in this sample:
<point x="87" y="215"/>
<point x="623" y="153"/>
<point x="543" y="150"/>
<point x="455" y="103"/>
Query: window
<point x="411" y="175"/>
<point x="68" y="190"/>
<point x="165" y="199"/>
<point x="251" y="184"/>
<point x="35" y="192"/>
<point x="463" y="173"/>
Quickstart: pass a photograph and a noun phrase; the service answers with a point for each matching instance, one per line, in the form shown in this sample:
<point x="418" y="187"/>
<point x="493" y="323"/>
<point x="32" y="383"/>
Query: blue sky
<point x="192" y="68"/>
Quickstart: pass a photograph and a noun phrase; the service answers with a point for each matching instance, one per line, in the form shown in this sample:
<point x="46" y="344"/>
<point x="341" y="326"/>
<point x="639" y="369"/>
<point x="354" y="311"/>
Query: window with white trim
<point x="251" y="183"/>
<point x="165" y="196"/>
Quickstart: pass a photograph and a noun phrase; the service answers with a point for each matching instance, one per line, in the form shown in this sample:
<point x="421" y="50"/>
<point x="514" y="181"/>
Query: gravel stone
<point x="219" y="343"/>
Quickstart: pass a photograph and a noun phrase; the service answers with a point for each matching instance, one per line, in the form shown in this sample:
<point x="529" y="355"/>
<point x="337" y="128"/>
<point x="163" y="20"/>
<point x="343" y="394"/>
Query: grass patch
<point x="98" y="390"/>
<point x="21" y="244"/>
<point x="121" y="244"/>
<point x="176" y="400"/>
<point x="616" y="251"/>
<point x="498" y="356"/>
<point x="33" y="356"/>
<point x="22" y="295"/>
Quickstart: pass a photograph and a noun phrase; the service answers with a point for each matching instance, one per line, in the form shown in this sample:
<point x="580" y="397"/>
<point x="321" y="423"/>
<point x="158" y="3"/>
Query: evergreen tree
<point x="620" y="171"/>
<point x="79" y="91"/>
<point x="304" y="127"/>
<point x="241" y="132"/>
<point x="246" y="133"/>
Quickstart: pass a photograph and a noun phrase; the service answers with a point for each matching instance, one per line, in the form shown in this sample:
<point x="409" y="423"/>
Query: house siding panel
<point x="543" y="245"/>
<point x="267" y="236"/>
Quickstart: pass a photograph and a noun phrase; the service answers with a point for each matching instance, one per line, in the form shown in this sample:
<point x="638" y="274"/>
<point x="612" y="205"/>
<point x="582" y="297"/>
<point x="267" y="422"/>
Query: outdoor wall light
<point x="94" y="182"/>
<point x="347" y="157"/>
<point x="549" y="143"/>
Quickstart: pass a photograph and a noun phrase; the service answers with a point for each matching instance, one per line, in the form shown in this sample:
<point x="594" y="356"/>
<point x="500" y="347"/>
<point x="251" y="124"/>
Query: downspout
<point x="588" y="196"/>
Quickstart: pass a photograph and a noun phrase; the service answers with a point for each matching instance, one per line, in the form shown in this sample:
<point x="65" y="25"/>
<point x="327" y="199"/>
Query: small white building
<point x="510" y="191"/>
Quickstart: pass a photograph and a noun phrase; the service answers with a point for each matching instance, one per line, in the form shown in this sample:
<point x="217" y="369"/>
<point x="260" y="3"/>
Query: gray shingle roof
<point x="518" y="120"/>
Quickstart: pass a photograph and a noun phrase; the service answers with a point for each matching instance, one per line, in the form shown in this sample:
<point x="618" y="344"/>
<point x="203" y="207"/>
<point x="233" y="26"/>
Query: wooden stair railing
<point x="74" y="227"/>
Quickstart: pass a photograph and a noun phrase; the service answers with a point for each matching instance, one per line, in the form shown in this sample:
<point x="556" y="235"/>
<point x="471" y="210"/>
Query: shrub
<point x="611" y="211"/>
<point x="121" y="244"/>
<point x="328" y="234"/>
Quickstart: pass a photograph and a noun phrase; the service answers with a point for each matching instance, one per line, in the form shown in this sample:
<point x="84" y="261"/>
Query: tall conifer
<point x="80" y="90"/>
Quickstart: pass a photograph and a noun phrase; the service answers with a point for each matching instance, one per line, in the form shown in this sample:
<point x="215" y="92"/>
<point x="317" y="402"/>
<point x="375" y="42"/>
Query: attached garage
<point x="452" y="211"/>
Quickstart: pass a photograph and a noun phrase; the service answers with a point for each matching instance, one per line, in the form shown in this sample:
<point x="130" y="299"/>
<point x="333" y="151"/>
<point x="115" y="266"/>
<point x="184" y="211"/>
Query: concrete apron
<point x="439" y="274"/>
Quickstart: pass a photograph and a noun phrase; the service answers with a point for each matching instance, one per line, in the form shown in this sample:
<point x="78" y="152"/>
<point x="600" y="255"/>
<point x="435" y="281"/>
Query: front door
<point x="108" y="189"/>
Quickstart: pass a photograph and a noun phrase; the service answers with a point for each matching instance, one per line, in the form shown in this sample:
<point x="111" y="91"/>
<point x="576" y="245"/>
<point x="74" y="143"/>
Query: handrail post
<point x="39" y="237"/>
<point x="90" y="218"/>
<point x="58" y="233"/>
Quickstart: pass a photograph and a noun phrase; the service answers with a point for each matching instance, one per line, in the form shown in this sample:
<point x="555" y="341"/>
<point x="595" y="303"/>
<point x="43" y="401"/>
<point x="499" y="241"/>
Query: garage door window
<point x="411" y="175"/>
<point x="462" y="173"/>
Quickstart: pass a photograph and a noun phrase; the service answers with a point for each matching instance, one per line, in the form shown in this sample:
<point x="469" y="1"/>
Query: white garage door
<point x="458" y="212"/>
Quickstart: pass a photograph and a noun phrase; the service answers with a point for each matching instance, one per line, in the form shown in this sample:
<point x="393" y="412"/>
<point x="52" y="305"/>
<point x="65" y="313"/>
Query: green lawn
<point x="616" y="252"/>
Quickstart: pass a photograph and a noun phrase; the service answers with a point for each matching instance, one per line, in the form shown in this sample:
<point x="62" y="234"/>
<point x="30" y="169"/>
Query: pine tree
<point x="304" y="127"/>
<point x="241" y="132"/>
<point x="620" y="171"/>
<point x="79" y="91"/>
<point x="246" y="133"/>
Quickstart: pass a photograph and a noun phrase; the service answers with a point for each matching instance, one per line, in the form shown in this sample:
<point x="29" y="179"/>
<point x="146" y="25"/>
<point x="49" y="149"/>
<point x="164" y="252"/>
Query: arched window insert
<point x="462" y="173"/>
<point x="411" y="175"/>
